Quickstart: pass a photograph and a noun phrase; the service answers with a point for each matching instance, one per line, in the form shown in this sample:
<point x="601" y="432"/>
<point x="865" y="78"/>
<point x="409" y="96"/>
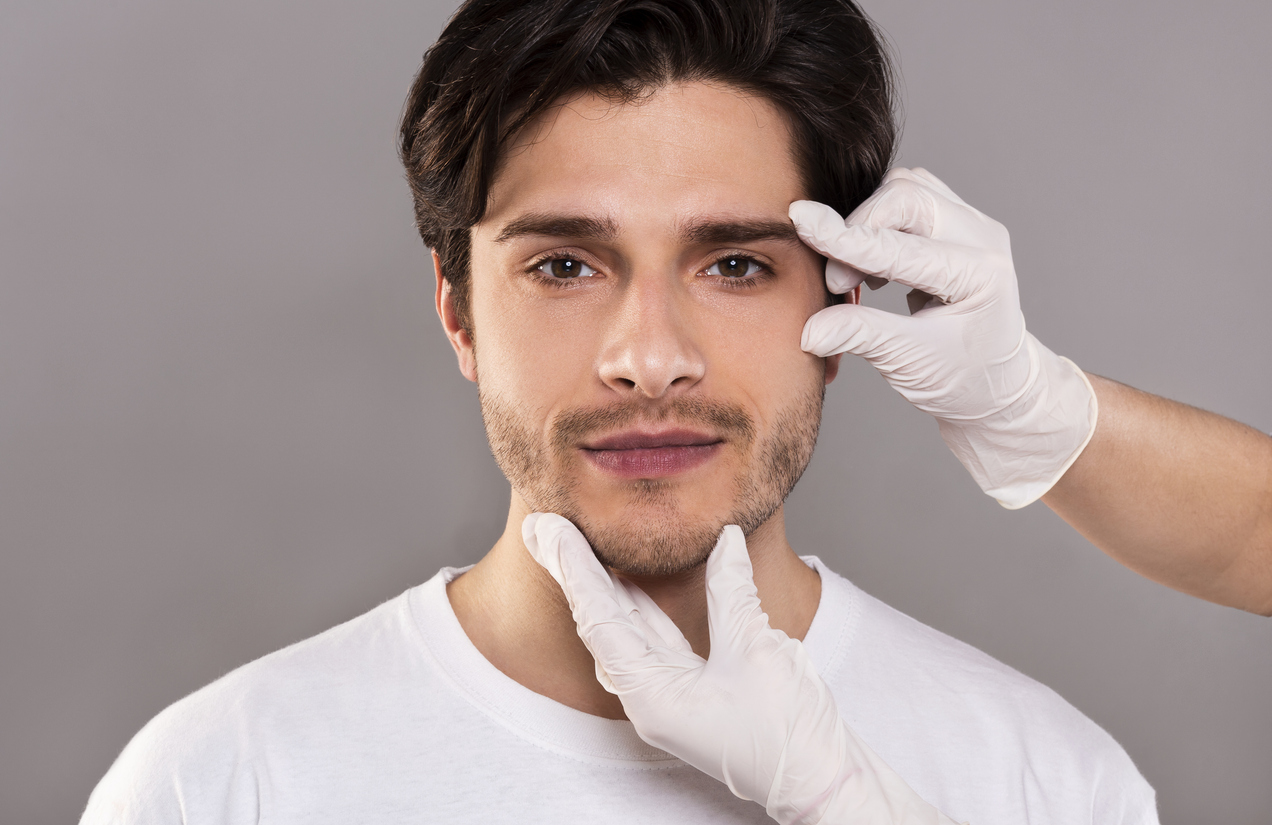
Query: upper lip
<point x="649" y="439"/>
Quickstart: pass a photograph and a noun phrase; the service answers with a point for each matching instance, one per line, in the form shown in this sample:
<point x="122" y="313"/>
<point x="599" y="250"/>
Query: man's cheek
<point x="771" y="348"/>
<point x="560" y="376"/>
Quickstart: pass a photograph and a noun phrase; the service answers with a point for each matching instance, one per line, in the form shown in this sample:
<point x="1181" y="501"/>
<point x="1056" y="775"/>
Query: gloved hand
<point x="1015" y="414"/>
<point x="755" y="715"/>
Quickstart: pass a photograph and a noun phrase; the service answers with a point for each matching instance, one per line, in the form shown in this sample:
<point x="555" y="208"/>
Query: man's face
<point x="638" y="295"/>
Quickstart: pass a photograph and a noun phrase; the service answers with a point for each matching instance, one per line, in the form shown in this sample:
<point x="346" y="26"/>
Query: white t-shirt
<point x="395" y="717"/>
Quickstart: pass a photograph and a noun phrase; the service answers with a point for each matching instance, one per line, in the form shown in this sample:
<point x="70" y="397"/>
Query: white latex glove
<point x="1016" y="414"/>
<point x="755" y="715"/>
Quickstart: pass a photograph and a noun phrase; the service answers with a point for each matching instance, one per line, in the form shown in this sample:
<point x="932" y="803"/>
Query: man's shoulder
<point x="274" y="704"/>
<point x="880" y="645"/>
<point x="895" y="649"/>
<point x="366" y="649"/>
<point x="957" y="722"/>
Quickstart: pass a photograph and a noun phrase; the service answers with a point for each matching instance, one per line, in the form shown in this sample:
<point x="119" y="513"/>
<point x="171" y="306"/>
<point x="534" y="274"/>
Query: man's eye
<point x="735" y="267"/>
<point x="565" y="268"/>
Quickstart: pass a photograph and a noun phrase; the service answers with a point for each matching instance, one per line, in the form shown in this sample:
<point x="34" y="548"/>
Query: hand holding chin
<point x="754" y="714"/>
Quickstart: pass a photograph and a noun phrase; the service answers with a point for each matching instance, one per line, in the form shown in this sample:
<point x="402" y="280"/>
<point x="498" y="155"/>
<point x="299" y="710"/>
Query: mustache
<point x="725" y="419"/>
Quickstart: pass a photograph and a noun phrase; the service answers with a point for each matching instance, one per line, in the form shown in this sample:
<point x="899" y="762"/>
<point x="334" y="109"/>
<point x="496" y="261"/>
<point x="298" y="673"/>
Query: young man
<point x="609" y="190"/>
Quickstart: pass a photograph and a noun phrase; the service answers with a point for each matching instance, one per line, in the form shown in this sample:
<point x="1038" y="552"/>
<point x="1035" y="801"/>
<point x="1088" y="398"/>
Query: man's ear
<point x="853" y="296"/>
<point x="459" y="338"/>
<point x="832" y="366"/>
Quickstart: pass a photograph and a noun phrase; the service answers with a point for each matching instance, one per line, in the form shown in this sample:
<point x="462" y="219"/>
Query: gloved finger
<point x="951" y="272"/>
<point x="670" y="658"/>
<point x="840" y="277"/>
<point x="910" y="204"/>
<point x="645" y="612"/>
<point x="614" y="640"/>
<point x="902" y="203"/>
<point x="734" y="614"/>
<point x="918" y="173"/>
<point x="858" y="330"/>
<point x="604" y="678"/>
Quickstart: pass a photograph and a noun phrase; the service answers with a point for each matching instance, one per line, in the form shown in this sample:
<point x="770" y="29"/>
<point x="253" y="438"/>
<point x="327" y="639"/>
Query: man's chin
<point x="658" y="534"/>
<point x="651" y="549"/>
<point x="651" y="531"/>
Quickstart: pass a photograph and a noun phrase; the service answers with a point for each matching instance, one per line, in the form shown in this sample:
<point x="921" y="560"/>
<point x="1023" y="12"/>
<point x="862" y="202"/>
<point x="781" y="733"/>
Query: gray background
<point x="229" y="420"/>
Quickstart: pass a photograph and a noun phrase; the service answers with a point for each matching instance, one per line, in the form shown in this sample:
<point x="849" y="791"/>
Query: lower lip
<point x="651" y="462"/>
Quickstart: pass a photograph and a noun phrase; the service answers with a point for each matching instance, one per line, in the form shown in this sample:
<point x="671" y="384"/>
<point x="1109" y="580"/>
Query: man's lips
<point x="652" y="440"/>
<point x="645" y="454"/>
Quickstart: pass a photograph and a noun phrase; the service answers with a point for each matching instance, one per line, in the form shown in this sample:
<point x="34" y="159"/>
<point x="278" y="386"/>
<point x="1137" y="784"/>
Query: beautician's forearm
<point x="1177" y="494"/>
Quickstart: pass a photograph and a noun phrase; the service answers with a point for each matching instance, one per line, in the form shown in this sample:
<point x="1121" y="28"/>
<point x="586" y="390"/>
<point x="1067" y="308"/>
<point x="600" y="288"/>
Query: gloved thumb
<point x="856" y="329"/>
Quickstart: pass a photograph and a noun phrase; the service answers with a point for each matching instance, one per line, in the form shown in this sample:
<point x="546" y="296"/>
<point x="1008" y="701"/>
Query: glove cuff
<point x="1020" y="452"/>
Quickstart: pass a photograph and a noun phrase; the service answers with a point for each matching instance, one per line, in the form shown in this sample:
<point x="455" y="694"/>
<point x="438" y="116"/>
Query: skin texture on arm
<point x="1177" y="494"/>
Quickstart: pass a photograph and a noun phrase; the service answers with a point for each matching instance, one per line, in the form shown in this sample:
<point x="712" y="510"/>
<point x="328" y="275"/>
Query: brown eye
<point x="565" y="268"/>
<point x="734" y="266"/>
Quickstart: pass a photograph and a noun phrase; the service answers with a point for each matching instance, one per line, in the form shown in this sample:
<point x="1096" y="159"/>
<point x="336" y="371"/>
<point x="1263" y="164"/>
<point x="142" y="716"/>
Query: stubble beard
<point x="662" y="540"/>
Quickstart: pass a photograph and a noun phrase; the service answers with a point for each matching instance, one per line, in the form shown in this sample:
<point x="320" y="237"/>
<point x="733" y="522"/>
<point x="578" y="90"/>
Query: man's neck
<point x="517" y="616"/>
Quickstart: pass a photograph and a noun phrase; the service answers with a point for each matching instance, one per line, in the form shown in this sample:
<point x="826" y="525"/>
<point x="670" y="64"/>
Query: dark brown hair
<point x="501" y="63"/>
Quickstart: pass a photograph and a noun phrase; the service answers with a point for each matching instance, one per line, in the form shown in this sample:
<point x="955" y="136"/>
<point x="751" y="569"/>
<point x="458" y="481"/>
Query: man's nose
<point x="650" y="347"/>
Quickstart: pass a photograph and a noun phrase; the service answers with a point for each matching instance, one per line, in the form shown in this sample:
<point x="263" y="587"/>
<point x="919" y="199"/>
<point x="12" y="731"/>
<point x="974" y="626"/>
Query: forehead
<point x="686" y="150"/>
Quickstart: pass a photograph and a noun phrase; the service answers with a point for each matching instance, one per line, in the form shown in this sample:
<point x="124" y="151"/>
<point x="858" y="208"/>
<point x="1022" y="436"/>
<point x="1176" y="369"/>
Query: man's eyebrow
<point x="739" y="231"/>
<point x="583" y="227"/>
<point x="703" y="231"/>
